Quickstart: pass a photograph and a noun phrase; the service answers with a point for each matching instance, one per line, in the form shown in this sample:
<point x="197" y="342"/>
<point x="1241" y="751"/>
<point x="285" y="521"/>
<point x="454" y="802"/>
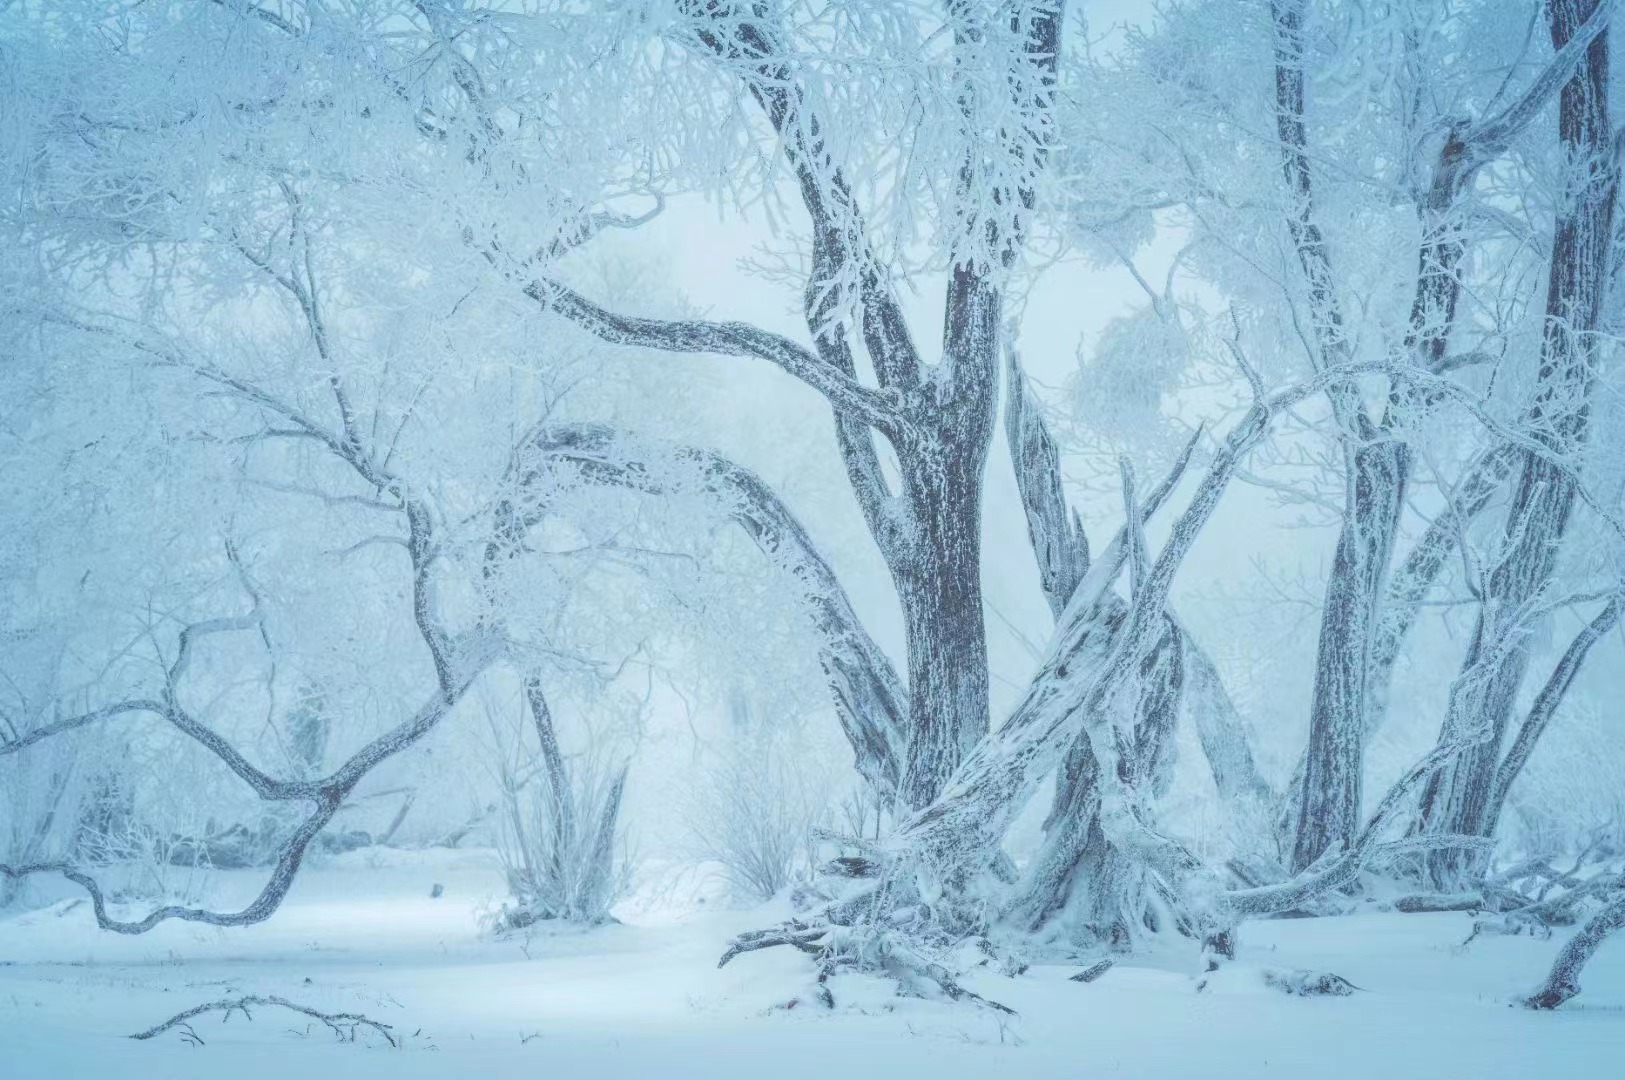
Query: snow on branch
<point x="343" y="1025"/>
<point x="846" y="275"/>
<point x="1490" y="136"/>
<point x="1563" y="981"/>
<point x="457" y="664"/>
<point x="844" y="393"/>
<point x="1053" y="528"/>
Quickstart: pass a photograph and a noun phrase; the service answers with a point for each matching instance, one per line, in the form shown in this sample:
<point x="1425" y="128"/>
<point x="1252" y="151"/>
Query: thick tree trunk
<point x="1358" y="639"/>
<point x="1329" y="788"/>
<point x="938" y="418"/>
<point x="1459" y="799"/>
<point x="940" y="589"/>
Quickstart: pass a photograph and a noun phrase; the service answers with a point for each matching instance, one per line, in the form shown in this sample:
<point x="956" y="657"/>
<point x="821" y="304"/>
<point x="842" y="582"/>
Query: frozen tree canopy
<point x="625" y="519"/>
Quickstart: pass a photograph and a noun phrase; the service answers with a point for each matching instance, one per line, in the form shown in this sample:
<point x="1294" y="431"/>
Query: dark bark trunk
<point x="938" y="571"/>
<point x="930" y="532"/>
<point x="1329" y="790"/>
<point x="560" y="795"/>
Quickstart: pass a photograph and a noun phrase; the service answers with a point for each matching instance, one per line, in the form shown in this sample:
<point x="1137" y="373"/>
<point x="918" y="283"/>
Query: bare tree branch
<point x="343" y="1025"/>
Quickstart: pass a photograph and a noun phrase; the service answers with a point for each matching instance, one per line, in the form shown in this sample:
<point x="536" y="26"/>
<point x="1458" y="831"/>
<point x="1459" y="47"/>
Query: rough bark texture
<point x="1074" y="692"/>
<point x="1078" y="880"/>
<point x="1329" y="801"/>
<point x="1330" y="792"/>
<point x="1057" y="537"/>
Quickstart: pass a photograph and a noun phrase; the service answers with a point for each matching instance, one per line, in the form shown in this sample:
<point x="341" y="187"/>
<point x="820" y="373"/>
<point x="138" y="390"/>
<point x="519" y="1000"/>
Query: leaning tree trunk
<point x="1563" y="981"/>
<point x="1460" y="798"/>
<point x="1079" y="882"/>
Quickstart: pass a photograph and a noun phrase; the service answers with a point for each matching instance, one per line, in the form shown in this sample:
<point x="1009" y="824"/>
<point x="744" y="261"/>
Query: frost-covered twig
<point x="343" y="1025"/>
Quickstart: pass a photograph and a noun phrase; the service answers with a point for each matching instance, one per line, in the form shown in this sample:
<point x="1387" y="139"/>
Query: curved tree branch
<point x="869" y="698"/>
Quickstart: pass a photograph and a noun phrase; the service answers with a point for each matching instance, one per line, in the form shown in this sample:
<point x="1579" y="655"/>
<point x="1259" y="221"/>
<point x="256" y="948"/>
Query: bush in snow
<point x="753" y="813"/>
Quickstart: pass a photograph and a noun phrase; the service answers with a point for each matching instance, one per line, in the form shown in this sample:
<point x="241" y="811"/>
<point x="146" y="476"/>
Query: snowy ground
<point x="646" y="1000"/>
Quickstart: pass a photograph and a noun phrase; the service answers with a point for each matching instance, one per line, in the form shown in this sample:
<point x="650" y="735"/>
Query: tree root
<point x="342" y="1025"/>
<point x="809" y="939"/>
<point x="839" y="949"/>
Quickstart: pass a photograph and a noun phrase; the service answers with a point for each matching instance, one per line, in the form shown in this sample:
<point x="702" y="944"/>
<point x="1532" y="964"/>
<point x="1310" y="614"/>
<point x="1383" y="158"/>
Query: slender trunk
<point x="1459" y="798"/>
<point x="1352" y="669"/>
<point x="1329" y="802"/>
<point x="1414" y="578"/>
<point x="561" y="796"/>
<point x="1329" y="792"/>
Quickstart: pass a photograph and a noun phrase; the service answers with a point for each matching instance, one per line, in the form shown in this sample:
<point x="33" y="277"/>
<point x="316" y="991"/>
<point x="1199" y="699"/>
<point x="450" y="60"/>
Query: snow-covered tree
<point x="362" y="227"/>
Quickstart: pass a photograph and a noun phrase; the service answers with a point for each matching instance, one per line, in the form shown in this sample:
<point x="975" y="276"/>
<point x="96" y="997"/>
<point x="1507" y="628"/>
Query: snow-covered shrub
<point x="753" y="813"/>
<point x="40" y="800"/>
<point x="560" y="850"/>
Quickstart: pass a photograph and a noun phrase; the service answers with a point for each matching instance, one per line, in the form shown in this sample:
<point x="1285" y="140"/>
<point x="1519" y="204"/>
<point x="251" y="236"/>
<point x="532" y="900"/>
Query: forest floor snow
<point x="646" y="999"/>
